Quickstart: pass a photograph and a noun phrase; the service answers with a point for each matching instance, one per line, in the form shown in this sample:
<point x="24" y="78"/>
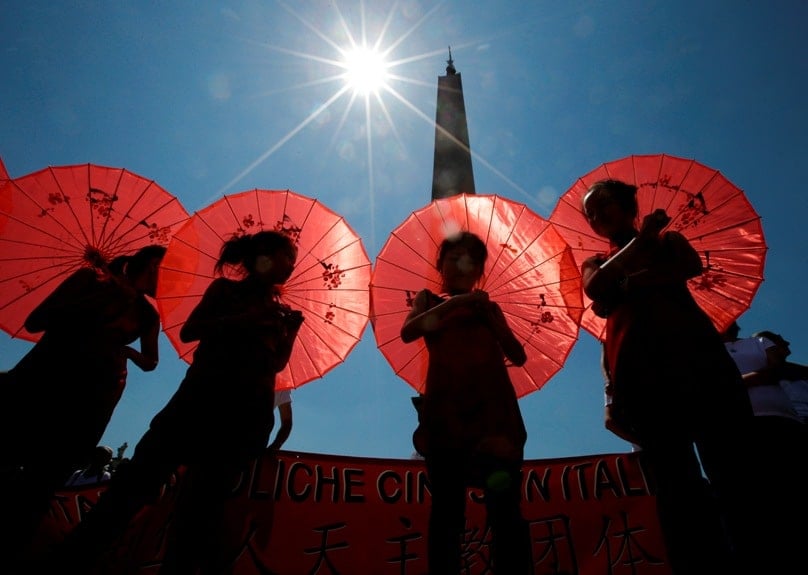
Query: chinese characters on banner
<point x="304" y="513"/>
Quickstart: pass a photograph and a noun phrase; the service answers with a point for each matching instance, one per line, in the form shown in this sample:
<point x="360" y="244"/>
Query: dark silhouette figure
<point x="471" y="432"/>
<point x="217" y="422"/>
<point x="674" y="386"/>
<point x="66" y="387"/>
<point x="780" y="442"/>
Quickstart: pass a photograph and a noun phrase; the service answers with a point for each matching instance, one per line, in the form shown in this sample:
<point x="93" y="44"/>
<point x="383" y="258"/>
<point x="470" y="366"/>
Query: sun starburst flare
<point x="364" y="72"/>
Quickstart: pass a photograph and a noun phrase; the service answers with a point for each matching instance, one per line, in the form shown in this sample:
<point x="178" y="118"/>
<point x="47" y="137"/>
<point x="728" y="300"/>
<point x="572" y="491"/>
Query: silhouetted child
<point x="471" y="431"/>
<point x="67" y="386"/>
<point x="219" y="419"/>
<point x="673" y="384"/>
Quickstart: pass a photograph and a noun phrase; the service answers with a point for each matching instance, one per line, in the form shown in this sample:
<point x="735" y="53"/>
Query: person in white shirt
<point x="96" y="472"/>
<point x="760" y="359"/>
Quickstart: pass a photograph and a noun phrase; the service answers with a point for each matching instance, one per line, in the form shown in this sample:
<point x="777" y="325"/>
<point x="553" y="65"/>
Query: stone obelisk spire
<point x="452" y="173"/>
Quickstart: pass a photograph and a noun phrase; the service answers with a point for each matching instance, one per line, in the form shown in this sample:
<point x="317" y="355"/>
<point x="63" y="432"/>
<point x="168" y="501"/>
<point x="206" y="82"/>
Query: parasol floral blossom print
<point x="59" y="219"/>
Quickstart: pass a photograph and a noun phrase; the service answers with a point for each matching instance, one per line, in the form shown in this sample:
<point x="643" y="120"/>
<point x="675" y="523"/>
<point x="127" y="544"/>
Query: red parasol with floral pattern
<point x="59" y="219"/>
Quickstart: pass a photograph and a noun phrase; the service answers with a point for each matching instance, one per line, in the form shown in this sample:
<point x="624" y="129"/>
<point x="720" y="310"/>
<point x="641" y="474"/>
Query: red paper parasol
<point x="710" y="211"/>
<point x="329" y="283"/>
<point x="59" y="219"/>
<point x="3" y="172"/>
<point x="530" y="273"/>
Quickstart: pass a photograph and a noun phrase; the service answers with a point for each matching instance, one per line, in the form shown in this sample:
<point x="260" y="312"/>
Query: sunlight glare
<point x="365" y="70"/>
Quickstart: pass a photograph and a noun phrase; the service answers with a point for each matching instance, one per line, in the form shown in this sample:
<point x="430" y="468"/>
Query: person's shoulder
<point x="751" y="343"/>
<point x="673" y="234"/>
<point x="758" y="342"/>
<point x="85" y="275"/>
<point x="86" y="272"/>
<point x="674" y="239"/>
<point x="75" y="479"/>
<point x="223" y="285"/>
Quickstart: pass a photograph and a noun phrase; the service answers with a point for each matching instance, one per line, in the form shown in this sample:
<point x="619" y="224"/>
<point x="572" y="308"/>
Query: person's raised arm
<point x="290" y="322"/>
<point x="148" y="356"/>
<point x="412" y="328"/>
<point x="285" y="412"/>
<point x="678" y="262"/>
<point x="423" y="319"/>
<point x="647" y="260"/>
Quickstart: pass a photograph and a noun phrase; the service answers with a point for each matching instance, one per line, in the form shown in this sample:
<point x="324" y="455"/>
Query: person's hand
<point x="654" y="223"/>
<point x="475" y="301"/>
<point x="293" y="318"/>
<point x="276" y="314"/>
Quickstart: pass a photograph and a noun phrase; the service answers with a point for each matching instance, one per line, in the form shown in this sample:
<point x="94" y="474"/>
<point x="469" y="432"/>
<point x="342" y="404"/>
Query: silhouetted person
<point x="471" y="431"/>
<point x="66" y="387"/>
<point x="674" y="387"/>
<point x="780" y="441"/>
<point x="217" y="422"/>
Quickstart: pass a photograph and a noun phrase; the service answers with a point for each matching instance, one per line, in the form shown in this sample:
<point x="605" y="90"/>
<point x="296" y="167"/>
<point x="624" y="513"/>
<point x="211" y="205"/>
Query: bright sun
<point x="360" y="70"/>
<point x="365" y="70"/>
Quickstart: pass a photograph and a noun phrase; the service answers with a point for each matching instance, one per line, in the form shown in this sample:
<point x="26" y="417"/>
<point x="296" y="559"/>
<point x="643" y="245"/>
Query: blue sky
<point x="212" y="98"/>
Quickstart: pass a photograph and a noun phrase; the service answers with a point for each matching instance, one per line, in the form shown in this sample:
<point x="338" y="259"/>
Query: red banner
<point x="304" y="513"/>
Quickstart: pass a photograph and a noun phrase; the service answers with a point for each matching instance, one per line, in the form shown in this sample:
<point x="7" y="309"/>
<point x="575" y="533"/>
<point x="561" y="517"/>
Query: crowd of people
<point x="700" y="407"/>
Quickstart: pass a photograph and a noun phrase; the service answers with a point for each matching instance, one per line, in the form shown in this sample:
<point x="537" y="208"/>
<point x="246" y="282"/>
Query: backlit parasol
<point x="709" y="210"/>
<point x="59" y="219"/>
<point x="530" y="273"/>
<point x="329" y="283"/>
